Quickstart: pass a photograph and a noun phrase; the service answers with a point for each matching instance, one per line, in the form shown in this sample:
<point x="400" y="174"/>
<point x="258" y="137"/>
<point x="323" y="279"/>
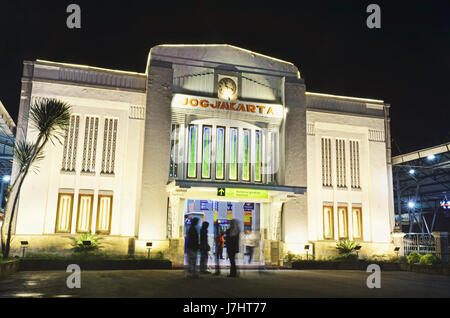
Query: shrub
<point x="291" y="257"/>
<point x="398" y="259"/>
<point x="345" y="257"/>
<point x="346" y="246"/>
<point x="413" y="258"/>
<point x="80" y="247"/>
<point x="428" y="259"/>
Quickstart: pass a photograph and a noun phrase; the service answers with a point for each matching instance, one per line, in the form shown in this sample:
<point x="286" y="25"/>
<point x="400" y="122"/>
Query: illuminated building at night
<point x="213" y="131"/>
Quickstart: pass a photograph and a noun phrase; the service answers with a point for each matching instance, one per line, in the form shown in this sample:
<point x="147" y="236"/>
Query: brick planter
<point x="443" y="269"/>
<point x="360" y="265"/>
<point x="43" y="264"/>
<point x="9" y="267"/>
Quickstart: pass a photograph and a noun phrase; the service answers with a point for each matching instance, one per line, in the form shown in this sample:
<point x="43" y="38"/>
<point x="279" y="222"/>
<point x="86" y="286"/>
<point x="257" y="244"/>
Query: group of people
<point x="196" y="242"/>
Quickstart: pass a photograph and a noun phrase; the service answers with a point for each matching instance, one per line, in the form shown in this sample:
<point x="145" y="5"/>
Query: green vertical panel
<point x="246" y="165"/>
<point x="206" y="162"/>
<point x="233" y="153"/>
<point x="192" y="168"/>
<point x="220" y="152"/>
<point x="258" y="156"/>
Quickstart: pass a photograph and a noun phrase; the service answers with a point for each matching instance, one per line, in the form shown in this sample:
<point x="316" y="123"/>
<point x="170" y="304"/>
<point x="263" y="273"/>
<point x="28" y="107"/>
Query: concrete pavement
<point x="251" y="283"/>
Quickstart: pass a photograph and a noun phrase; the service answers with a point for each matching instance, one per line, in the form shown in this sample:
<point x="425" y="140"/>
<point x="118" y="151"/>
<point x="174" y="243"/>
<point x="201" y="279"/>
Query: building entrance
<point x="218" y="214"/>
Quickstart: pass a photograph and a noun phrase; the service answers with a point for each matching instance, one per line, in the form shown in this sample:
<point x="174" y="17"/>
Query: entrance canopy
<point x="227" y="191"/>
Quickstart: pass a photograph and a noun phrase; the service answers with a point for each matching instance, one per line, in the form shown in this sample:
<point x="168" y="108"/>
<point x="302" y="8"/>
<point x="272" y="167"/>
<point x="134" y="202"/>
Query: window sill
<point x="107" y="175"/>
<point x="87" y="173"/>
<point x="69" y="172"/>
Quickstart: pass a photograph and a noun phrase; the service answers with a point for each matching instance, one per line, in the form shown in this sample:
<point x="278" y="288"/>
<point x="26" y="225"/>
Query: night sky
<point x="406" y="63"/>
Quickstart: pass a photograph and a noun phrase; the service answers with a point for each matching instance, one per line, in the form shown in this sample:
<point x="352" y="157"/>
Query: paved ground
<point x="251" y="283"/>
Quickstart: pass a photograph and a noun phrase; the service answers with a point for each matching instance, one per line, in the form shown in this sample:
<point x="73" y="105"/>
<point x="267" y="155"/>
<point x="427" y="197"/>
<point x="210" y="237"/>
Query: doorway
<point x="219" y="214"/>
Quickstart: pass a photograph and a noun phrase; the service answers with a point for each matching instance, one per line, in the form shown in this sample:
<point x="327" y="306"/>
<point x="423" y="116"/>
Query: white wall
<point x="38" y="204"/>
<point x="374" y="194"/>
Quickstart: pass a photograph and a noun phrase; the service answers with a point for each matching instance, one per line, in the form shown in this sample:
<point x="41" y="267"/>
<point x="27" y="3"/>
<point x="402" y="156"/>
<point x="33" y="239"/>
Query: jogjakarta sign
<point x="207" y="103"/>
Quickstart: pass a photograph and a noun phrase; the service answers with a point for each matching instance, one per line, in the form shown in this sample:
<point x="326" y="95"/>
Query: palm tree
<point x="50" y="118"/>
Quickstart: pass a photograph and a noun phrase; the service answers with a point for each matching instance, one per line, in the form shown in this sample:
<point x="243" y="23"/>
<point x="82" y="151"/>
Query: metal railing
<point x="420" y="243"/>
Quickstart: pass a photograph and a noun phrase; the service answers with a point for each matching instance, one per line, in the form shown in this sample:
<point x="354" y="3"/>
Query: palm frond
<point x="23" y="151"/>
<point x="50" y="117"/>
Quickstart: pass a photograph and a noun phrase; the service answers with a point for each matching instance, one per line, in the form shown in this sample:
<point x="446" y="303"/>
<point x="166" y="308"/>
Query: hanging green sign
<point x="246" y="193"/>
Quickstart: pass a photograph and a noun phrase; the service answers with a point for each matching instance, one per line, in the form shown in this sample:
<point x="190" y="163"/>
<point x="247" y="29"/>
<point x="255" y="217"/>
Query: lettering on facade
<point x="184" y="101"/>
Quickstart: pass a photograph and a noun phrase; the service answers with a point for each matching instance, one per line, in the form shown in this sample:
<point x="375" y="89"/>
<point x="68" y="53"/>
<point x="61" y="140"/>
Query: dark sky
<point x="406" y="63"/>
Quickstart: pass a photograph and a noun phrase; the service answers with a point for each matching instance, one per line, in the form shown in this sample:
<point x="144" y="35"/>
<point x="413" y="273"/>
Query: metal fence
<point x="420" y="243"/>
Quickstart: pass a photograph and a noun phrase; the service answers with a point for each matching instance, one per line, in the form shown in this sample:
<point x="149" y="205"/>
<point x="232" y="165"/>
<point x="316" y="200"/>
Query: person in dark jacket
<point x="232" y="242"/>
<point x="218" y="245"/>
<point x="204" y="248"/>
<point x="193" y="246"/>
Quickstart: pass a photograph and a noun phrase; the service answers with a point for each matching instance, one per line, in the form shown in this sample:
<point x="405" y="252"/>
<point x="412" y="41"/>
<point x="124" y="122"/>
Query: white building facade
<point x="209" y="130"/>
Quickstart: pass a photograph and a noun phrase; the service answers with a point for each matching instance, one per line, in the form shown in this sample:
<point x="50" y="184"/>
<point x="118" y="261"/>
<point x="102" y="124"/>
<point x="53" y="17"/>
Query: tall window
<point x="233" y="153"/>
<point x="342" y="222"/>
<point x="174" y="143"/>
<point x="357" y="223"/>
<point x="206" y="153"/>
<point x="192" y="152"/>
<point x="354" y="164"/>
<point x="109" y="145"/>
<point x="328" y="227"/>
<point x="90" y="144"/>
<point x="340" y="163"/>
<point x="246" y="156"/>
<point x="64" y="213"/>
<point x="220" y="152"/>
<point x="85" y="202"/>
<point x="257" y="173"/>
<point x="70" y="144"/>
<point x="104" y="214"/>
<point x="326" y="162"/>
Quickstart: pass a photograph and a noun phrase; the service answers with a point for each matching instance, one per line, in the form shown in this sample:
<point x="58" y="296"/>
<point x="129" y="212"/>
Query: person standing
<point x="192" y="248"/>
<point x="204" y="248"/>
<point x="218" y="247"/>
<point x="251" y="244"/>
<point x="232" y="241"/>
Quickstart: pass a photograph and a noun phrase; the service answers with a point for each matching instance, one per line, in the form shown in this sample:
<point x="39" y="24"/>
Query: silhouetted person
<point x="232" y="240"/>
<point x="204" y="248"/>
<point x="217" y="247"/>
<point x="192" y="248"/>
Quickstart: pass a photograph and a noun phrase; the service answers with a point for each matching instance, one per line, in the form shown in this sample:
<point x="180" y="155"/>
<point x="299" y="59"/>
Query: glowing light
<point x="6" y="178"/>
<point x="431" y="157"/>
<point x="227" y="93"/>
<point x="412" y="171"/>
<point x="345" y="97"/>
<point x="411" y="204"/>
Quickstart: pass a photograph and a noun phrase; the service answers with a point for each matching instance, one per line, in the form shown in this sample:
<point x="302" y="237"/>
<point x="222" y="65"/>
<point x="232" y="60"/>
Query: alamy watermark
<point x="74" y="279"/>
<point x="73" y="21"/>
<point x="374" y="279"/>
